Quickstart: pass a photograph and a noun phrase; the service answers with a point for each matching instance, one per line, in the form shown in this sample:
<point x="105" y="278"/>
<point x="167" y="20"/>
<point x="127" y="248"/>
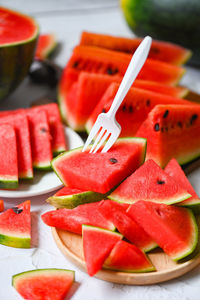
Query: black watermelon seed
<point x="75" y="64"/>
<point x="130" y="109"/>
<point x="17" y="210"/>
<point x="193" y="118"/>
<point x="155" y="50"/>
<point x="162" y="129"/>
<point x="110" y="71"/>
<point x="43" y="129"/>
<point x="124" y="107"/>
<point x="148" y="102"/>
<point x="157" y="127"/>
<point x="160" y="182"/>
<point x="113" y="160"/>
<point x="103" y="110"/>
<point x="180" y="124"/>
<point x="165" y="114"/>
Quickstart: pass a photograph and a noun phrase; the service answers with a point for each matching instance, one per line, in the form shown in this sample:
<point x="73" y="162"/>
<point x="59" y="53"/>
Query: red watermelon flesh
<point x="133" y="110"/>
<point x="97" y="245"/>
<point x="174" y="170"/>
<point x="65" y="191"/>
<point x="127" y="257"/>
<point x="21" y="126"/>
<point x="172" y="131"/>
<point x="173" y="228"/>
<point x="72" y="219"/>
<point x="46" y="44"/>
<point x="40" y="139"/>
<point x="1" y="205"/>
<point x="116" y="213"/>
<point x="90" y="88"/>
<point x="100" y="172"/>
<point x="43" y="284"/>
<point x="15" y="226"/>
<point x="8" y="161"/>
<point x="149" y="183"/>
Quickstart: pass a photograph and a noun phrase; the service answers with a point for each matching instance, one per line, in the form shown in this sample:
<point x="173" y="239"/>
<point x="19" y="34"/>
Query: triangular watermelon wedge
<point x="15" y="226"/>
<point x="43" y="283"/>
<point x="173" y="228"/>
<point x="174" y="170"/>
<point x="149" y="183"/>
<point x="97" y="244"/>
<point x="127" y="257"/>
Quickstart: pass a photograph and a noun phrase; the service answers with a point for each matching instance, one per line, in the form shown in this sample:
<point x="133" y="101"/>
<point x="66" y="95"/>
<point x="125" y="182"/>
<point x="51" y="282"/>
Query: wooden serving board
<point x="70" y="245"/>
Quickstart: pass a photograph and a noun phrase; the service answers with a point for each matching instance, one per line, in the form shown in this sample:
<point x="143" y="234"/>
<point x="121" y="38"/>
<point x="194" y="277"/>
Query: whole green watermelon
<point x="177" y="21"/>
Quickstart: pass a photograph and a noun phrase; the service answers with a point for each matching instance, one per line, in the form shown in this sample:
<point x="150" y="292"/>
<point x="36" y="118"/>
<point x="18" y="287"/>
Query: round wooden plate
<point x="71" y="246"/>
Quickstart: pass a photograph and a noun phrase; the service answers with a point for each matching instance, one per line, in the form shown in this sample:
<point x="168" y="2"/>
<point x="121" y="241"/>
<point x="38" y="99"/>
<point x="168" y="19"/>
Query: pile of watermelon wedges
<point x="124" y="206"/>
<point x="154" y="107"/>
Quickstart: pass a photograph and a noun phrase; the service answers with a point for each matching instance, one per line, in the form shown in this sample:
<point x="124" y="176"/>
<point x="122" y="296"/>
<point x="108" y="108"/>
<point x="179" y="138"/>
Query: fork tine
<point x="104" y="138"/>
<point x="92" y="134"/>
<point x="110" y="142"/>
<point x="100" y="134"/>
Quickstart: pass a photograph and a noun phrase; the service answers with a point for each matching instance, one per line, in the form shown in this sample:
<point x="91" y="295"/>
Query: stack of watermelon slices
<point x="29" y="138"/>
<point x="145" y="197"/>
<point x="91" y="79"/>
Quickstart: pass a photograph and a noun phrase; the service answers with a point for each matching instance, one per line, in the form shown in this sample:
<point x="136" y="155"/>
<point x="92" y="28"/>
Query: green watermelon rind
<point x="89" y="227"/>
<point x="8" y="184"/>
<point x="194" y="240"/>
<point x="14" y="241"/>
<point x="150" y="247"/>
<point x="42" y="167"/>
<point x="72" y="201"/>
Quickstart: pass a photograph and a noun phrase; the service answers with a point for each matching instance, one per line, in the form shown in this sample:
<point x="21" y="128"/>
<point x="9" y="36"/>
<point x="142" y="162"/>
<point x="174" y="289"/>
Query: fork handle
<point x="137" y="61"/>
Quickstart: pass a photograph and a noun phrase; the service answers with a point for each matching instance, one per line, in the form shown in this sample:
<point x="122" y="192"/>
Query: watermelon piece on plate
<point x="174" y="170"/>
<point x="149" y="183"/>
<point x="173" y="228"/>
<point x="1" y="205"/>
<point x="15" y="226"/>
<point x="134" y="109"/>
<point x="172" y="131"/>
<point x="97" y="245"/>
<point x="126" y="257"/>
<point x="100" y="172"/>
<point x="160" y="50"/>
<point x="8" y="155"/>
<point x="20" y="123"/>
<point x="72" y="219"/>
<point x="116" y="213"/>
<point x="70" y="197"/>
<point x="45" y="46"/>
<point x="44" y="284"/>
<point x="40" y="139"/>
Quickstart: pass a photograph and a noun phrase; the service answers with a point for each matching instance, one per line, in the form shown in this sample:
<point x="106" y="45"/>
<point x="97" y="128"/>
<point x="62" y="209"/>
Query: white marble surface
<point x="67" y="19"/>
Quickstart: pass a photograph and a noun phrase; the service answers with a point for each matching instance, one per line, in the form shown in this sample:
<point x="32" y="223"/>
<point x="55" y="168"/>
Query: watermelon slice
<point x="167" y="129"/>
<point x="15" y="226"/>
<point x="97" y="244"/>
<point x="116" y="213"/>
<point x="1" y="205"/>
<point x="21" y="126"/>
<point x="72" y="219"/>
<point x="160" y="50"/>
<point x="100" y="172"/>
<point x="173" y="228"/>
<point x="133" y="110"/>
<point x="149" y="183"/>
<point x="127" y="257"/>
<point x="70" y="198"/>
<point x="45" y="46"/>
<point x="44" y="284"/>
<point x="40" y="139"/>
<point x="174" y="170"/>
<point x="8" y="161"/>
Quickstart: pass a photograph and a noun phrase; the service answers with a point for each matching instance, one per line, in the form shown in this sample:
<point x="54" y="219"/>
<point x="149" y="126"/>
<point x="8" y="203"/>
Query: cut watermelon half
<point x="8" y="161"/>
<point x="97" y="245"/>
<point x="172" y="131"/>
<point x="173" y="228"/>
<point x="160" y="50"/>
<point x="44" y="284"/>
<point x="134" y="109"/>
<point x="15" y="226"/>
<point x="127" y="257"/>
<point x="45" y="46"/>
<point x="174" y="170"/>
<point x="20" y="123"/>
<point x="116" y="213"/>
<point x="72" y="219"/>
<point x="149" y="183"/>
<point x="70" y="198"/>
<point x="100" y="172"/>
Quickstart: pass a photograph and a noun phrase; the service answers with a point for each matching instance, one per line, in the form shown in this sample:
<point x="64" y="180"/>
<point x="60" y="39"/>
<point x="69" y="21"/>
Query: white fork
<point x="106" y="126"/>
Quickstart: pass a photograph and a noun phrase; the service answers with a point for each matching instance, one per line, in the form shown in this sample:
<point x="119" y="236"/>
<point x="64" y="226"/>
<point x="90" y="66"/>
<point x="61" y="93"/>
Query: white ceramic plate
<point x="43" y="182"/>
